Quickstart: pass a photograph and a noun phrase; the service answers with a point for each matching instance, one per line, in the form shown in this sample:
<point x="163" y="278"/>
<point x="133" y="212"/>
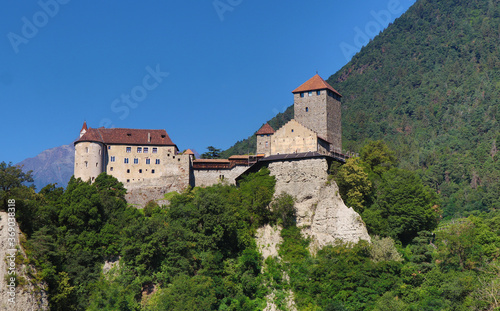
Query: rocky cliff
<point x="321" y="213"/>
<point x="24" y="293"/>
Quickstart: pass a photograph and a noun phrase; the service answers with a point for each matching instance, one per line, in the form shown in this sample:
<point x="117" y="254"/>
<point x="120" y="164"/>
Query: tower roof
<point x="313" y="84"/>
<point x="265" y="129"/>
<point x="189" y="151"/>
<point x="84" y="127"/>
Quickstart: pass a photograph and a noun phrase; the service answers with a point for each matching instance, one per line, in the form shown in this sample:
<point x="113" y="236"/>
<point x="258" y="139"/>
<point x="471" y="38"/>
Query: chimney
<point x="149" y="137"/>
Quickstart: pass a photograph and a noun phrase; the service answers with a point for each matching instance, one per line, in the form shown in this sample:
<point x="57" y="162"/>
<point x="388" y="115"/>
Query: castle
<point x="149" y="164"/>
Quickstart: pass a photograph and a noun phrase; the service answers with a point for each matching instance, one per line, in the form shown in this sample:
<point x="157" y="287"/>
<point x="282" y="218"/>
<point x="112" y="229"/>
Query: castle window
<point x="111" y="169"/>
<point x="96" y="164"/>
<point x="148" y="161"/>
<point x="318" y="92"/>
<point x="302" y="94"/>
<point x="179" y="159"/>
<point x="136" y="161"/>
<point x="129" y="149"/>
<point x="112" y="159"/>
<point x="139" y="149"/>
<point x="157" y="161"/>
<point x="155" y="150"/>
<point x="109" y="147"/>
<point x="125" y="160"/>
<point x="86" y="164"/>
<point x="292" y="130"/>
<point x="128" y="180"/>
<point x="310" y="93"/>
<point x="128" y="171"/>
<point x="267" y="144"/>
<point x="146" y="150"/>
<point x="99" y="151"/>
<point x="307" y="109"/>
<point x="86" y="149"/>
<point x="152" y="171"/>
<point x="140" y="171"/>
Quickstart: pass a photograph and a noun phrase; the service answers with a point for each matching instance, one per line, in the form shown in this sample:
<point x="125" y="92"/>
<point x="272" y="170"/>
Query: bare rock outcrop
<point x="28" y="295"/>
<point x="321" y="213"/>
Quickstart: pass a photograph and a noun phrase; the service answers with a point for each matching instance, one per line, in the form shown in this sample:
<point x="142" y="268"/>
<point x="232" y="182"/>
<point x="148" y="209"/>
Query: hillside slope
<point x="430" y="86"/>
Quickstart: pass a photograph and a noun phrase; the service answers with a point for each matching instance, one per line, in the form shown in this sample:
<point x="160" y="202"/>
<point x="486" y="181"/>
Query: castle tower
<point x="317" y="106"/>
<point x="264" y="136"/>
<point x="89" y="155"/>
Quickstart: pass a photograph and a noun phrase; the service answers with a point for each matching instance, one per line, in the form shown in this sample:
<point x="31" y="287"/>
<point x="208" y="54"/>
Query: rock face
<point x="321" y="213"/>
<point x="27" y="296"/>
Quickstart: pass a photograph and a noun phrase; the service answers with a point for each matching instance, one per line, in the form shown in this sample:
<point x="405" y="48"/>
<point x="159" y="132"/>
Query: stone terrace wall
<point x="207" y="177"/>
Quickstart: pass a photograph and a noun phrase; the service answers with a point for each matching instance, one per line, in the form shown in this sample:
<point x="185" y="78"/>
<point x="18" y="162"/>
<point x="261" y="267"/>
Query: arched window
<point x="86" y="149"/>
<point x="307" y="109"/>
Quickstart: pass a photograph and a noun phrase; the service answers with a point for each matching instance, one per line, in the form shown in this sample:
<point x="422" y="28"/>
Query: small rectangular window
<point x="128" y="180"/>
<point x="157" y="161"/>
<point x="128" y="171"/>
<point x="109" y="147"/>
<point x="155" y="150"/>
<point x="139" y="149"/>
<point x="318" y="92"/>
<point x="146" y="150"/>
<point x="125" y="160"/>
<point x="111" y="169"/>
<point x="140" y="171"/>
<point x="148" y="161"/>
<point x="152" y="171"/>
<point x="136" y="161"/>
<point x="129" y="149"/>
<point x="302" y="94"/>
<point x="310" y="93"/>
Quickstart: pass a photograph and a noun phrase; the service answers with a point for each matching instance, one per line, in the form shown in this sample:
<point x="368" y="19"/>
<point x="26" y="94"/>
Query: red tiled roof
<point x="313" y="84"/>
<point x="127" y="136"/>
<point x="265" y="129"/>
<point x="189" y="151"/>
<point x="84" y="127"/>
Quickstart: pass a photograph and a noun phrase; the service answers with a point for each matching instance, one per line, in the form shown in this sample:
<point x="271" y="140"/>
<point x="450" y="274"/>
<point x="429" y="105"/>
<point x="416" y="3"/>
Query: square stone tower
<point x="264" y="137"/>
<point x="317" y="106"/>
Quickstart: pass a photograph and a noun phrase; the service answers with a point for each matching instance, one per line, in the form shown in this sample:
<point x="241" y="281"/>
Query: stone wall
<point x="293" y="137"/>
<point x="264" y="144"/>
<point x="321" y="213"/>
<point x="176" y="176"/>
<point x="206" y="177"/>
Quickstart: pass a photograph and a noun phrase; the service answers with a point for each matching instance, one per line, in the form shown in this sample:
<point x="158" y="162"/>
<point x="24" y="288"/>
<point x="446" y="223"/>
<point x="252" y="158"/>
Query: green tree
<point x="403" y="206"/>
<point x="378" y="157"/>
<point x="11" y="177"/>
<point x="212" y="153"/>
<point x="354" y="185"/>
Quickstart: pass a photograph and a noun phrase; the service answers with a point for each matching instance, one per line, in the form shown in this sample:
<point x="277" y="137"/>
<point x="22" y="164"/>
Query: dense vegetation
<point x="429" y="85"/>
<point x="199" y="252"/>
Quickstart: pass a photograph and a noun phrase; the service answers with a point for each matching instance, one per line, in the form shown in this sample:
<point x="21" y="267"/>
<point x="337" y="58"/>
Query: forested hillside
<point x="429" y="86"/>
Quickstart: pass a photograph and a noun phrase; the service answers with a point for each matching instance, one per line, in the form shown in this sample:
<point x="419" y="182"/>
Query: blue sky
<point x="208" y="72"/>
